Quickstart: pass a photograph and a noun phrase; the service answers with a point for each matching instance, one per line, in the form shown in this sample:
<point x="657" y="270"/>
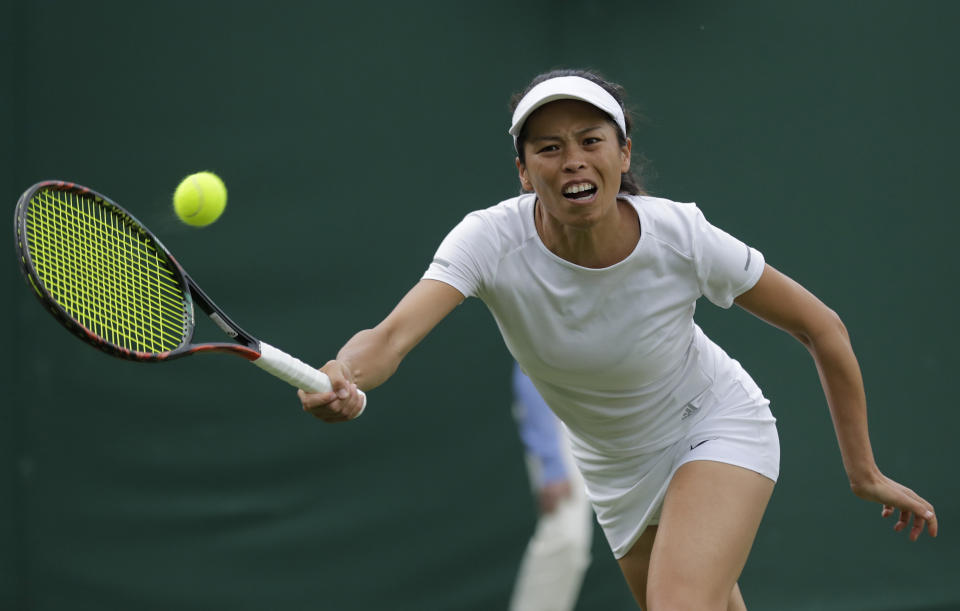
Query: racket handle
<point x="295" y="372"/>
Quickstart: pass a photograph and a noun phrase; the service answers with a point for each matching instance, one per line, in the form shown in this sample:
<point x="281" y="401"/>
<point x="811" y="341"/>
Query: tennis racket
<point x="110" y="281"/>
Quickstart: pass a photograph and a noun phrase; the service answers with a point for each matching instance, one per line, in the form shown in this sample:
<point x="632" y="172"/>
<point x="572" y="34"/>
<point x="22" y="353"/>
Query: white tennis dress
<point x="615" y="351"/>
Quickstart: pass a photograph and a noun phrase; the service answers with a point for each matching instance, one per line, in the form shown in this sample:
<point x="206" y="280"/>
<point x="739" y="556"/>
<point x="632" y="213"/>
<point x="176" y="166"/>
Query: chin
<point x="583" y="220"/>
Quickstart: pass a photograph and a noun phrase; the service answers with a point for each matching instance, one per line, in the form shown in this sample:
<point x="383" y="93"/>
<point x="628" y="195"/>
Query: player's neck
<point x="602" y="244"/>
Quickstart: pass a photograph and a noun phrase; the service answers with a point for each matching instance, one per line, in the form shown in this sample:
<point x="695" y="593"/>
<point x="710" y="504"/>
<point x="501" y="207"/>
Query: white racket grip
<point x="295" y="372"/>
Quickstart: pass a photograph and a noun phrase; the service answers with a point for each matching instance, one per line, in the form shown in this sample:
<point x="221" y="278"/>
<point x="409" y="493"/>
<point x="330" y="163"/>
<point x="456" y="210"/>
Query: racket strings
<point x="104" y="272"/>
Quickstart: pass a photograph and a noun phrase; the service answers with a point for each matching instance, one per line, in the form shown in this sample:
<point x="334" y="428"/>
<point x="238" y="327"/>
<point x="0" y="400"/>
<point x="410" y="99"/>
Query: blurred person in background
<point x="558" y="553"/>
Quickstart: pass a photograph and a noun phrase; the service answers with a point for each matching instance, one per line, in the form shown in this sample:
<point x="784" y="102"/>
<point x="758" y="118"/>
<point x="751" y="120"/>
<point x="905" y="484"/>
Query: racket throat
<point x="218" y="317"/>
<point x="224" y="325"/>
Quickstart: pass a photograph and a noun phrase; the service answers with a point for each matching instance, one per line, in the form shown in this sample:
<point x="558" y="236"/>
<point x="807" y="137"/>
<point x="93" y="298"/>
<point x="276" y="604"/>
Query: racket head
<point x="101" y="273"/>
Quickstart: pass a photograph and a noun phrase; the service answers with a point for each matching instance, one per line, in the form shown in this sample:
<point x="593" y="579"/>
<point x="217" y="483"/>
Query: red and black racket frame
<point x="247" y="346"/>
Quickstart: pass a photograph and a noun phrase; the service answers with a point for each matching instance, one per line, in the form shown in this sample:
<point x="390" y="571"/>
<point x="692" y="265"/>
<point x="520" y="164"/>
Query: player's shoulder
<point x="508" y="221"/>
<point x="666" y="220"/>
<point x="662" y="209"/>
<point x="507" y="211"/>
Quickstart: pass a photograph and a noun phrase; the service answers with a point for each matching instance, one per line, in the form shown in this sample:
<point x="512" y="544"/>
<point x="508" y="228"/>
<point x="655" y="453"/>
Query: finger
<point x="339" y="378"/>
<point x="358" y="402"/>
<point x="903" y="520"/>
<point x="314" y="400"/>
<point x="342" y="390"/>
<point x="329" y="413"/>
<point x="352" y="405"/>
<point x="344" y="402"/>
<point x="342" y="410"/>
<point x="886" y="512"/>
<point x="932" y="527"/>
<point x="922" y="515"/>
<point x="925" y="516"/>
<point x="918" y="524"/>
<point x="323" y="413"/>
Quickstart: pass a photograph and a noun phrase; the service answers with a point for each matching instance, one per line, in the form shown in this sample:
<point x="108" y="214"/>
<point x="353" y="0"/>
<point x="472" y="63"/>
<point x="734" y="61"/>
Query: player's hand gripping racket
<point x="111" y="282"/>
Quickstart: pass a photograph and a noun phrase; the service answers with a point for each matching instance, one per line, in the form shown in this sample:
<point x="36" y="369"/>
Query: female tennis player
<point x="593" y="286"/>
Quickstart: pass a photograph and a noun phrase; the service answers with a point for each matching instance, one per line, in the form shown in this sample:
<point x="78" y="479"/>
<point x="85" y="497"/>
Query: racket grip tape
<point x="295" y="372"/>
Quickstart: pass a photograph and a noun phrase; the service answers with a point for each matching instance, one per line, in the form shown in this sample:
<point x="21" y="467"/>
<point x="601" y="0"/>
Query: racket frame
<point x="276" y="362"/>
<point x="247" y="346"/>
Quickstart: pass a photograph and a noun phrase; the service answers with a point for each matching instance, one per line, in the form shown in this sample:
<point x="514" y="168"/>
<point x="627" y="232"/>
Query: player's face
<point x="573" y="161"/>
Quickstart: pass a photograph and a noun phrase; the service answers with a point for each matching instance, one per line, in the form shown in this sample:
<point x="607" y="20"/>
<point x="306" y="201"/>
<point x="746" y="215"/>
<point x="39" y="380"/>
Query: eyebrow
<point x="577" y="133"/>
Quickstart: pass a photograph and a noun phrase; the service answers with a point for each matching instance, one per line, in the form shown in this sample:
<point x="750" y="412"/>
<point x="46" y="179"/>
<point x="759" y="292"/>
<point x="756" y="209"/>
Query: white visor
<point x="566" y="88"/>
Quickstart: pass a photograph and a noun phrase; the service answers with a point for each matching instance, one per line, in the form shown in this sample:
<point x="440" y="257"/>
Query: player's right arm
<point x="371" y="356"/>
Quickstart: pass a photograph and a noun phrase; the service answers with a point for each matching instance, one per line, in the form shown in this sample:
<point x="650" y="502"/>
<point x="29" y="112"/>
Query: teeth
<point x="584" y="186"/>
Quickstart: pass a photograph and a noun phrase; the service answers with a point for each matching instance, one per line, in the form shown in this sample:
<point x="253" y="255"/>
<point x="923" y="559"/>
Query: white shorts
<point x="734" y="425"/>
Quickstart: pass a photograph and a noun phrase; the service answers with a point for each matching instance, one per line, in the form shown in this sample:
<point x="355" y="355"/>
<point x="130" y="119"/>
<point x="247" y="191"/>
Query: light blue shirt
<point x="539" y="431"/>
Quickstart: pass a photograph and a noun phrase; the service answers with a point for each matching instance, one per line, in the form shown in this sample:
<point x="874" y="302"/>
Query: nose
<point x="573" y="160"/>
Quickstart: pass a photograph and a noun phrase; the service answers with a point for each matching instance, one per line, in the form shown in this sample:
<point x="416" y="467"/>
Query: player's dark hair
<point x="629" y="182"/>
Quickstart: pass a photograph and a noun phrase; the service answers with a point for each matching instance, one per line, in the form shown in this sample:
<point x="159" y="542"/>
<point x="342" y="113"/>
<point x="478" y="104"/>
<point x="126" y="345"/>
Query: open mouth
<point x="579" y="191"/>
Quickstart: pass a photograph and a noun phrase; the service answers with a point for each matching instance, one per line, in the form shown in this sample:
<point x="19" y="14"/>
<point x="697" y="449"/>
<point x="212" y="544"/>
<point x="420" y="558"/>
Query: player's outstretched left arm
<point x="783" y="303"/>
<point x="373" y="355"/>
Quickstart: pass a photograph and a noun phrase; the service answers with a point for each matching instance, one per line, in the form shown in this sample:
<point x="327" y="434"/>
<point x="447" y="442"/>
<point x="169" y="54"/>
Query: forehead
<point x="565" y="115"/>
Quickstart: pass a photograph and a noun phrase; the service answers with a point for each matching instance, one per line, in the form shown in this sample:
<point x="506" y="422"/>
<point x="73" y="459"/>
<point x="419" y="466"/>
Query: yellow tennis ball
<point x="200" y="199"/>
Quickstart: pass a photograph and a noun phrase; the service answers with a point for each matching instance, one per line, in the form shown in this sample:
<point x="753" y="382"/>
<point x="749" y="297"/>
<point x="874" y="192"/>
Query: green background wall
<point x="352" y="136"/>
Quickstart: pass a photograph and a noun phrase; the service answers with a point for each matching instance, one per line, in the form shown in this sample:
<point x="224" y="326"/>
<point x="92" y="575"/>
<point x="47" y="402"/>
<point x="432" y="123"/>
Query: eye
<point x="548" y="148"/>
<point x="591" y="140"/>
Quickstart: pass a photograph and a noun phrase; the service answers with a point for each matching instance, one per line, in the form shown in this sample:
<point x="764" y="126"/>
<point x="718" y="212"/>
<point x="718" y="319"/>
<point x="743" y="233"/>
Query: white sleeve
<point x="466" y="257"/>
<point x="725" y="266"/>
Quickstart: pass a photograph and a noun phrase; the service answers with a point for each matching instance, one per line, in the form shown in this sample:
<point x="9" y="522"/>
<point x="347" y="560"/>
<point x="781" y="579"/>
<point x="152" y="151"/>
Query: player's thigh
<point x="636" y="563"/>
<point x="710" y="517"/>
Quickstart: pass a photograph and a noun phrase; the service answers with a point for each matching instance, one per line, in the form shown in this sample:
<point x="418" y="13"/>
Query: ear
<point x="525" y="183"/>
<point x="625" y="156"/>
